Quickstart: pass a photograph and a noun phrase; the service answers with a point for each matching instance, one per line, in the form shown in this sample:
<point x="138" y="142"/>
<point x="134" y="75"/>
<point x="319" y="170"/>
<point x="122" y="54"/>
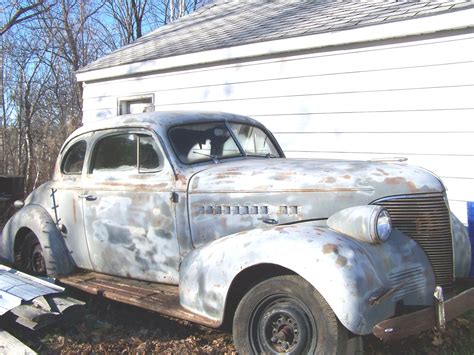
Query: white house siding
<point x="412" y="99"/>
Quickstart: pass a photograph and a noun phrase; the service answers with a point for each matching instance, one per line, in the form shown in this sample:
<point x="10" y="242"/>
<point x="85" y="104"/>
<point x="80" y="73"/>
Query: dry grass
<point x="109" y="327"/>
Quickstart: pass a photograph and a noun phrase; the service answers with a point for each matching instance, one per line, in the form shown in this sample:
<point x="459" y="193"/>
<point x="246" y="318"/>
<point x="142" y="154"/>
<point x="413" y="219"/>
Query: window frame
<point x="67" y="150"/>
<point x="116" y="132"/>
<point x="123" y="103"/>
<point x="262" y="129"/>
<point x="227" y="123"/>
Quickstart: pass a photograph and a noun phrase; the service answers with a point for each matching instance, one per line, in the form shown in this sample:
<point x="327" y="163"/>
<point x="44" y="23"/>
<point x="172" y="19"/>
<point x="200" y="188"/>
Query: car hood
<point x="307" y="175"/>
<point x="242" y="195"/>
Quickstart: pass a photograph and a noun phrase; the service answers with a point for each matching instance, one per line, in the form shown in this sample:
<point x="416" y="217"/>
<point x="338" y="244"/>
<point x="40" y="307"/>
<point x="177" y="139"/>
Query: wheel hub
<point x="284" y="333"/>
<point x="37" y="261"/>
<point x="284" y="328"/>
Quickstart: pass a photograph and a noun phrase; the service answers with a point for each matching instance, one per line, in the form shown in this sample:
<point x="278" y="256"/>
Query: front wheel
<point x="285" y="314"/>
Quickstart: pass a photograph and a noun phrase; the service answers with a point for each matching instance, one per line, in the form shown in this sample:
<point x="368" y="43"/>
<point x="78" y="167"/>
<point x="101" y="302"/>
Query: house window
<point x="135" y="104"/>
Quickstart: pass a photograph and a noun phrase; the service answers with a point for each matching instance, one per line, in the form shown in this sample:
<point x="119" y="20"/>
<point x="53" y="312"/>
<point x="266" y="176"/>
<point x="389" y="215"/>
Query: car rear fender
<point x="36" y="219"/>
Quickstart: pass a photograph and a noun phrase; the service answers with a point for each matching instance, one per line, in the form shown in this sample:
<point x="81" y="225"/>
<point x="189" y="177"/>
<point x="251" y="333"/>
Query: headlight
<point x="384" y="225"/>
<point x="371" y="224"/>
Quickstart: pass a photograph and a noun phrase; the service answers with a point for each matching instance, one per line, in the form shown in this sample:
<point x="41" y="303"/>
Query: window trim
<point x="64" y="156"/>
<point x="226" y="123"/>
<point x="126" y="100"/>
<point x="123" y="131"/>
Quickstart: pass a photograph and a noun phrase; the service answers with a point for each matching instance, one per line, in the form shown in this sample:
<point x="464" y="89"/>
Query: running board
<point x="155" y="297"/>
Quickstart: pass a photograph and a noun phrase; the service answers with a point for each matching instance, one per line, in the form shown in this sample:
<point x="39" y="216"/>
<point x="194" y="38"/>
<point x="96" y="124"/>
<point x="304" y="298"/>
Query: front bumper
<point x="416" y="322"/>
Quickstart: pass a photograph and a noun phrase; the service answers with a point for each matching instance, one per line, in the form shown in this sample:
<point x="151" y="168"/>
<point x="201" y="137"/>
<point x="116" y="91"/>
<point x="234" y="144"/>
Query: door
<point x="128" y="216"/>
<point x="66" y="201"/>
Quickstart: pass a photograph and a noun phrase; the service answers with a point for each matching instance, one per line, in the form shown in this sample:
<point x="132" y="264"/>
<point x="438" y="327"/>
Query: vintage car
<point x="200" y="216"/>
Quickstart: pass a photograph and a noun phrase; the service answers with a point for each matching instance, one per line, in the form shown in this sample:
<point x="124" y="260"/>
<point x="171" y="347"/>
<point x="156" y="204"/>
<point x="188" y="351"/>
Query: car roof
<point x="160" y="121"/>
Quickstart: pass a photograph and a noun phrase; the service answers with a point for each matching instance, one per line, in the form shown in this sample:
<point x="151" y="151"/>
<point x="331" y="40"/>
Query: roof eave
<point x="456" y="20"/>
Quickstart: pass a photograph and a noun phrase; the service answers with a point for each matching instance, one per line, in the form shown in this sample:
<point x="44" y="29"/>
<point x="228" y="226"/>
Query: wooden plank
<point x="441" y="121"/>
<point x="399" y="100"/>
<point x="94" y="115"/>
<point x="383" y="57"/>
<point x="47" y="310"/>
<point x="159" y="298"/>
<point x="395" y="144"/>
<point x="396" y="79"/>
<point x="11" y="345"/>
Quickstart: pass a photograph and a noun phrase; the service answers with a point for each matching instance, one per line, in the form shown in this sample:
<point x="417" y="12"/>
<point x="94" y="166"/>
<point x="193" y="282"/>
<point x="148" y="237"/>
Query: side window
<point x="149" y="159"/>
<point x="115" y="153"/>
<point x="134" y="153"/>
<point x="73" y="160"/>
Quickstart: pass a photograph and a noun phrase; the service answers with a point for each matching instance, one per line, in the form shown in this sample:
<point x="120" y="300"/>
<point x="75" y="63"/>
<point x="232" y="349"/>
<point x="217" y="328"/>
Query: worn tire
<point x="285" y="314"/>
<point x="30" y="258"/>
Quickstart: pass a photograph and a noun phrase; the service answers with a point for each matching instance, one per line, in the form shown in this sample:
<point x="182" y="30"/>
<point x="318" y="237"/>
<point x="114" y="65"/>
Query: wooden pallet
<point x="155" y="297"/>
<point x="11" y="345"/>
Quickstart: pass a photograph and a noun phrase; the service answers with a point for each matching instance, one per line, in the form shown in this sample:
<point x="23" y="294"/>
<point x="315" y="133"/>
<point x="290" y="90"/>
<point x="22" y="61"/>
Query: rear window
<point x="74" y="159"/>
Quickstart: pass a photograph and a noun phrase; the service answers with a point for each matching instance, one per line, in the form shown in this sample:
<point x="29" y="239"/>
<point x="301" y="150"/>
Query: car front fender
<point x="461" y="248"/>
<point x="361" y="282"/>
<point x="36" y="219"/>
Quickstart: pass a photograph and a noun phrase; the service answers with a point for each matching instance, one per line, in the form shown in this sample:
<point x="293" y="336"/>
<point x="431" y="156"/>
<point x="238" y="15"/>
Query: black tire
<point x="285" y="314"/>
<point x="30" y="258"/>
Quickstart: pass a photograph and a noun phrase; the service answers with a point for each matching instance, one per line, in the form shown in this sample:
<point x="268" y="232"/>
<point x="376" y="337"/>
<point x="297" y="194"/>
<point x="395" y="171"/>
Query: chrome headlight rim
<point x="381" y="225"/>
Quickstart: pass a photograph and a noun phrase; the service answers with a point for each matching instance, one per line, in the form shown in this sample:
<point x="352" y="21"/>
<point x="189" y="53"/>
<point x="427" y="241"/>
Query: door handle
<point x="88" y="197"/>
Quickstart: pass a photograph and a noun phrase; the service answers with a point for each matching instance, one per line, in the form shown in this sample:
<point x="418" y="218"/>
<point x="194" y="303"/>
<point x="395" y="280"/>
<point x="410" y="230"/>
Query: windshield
<point x="254" y="141"/>
<point x="200" y="142"/>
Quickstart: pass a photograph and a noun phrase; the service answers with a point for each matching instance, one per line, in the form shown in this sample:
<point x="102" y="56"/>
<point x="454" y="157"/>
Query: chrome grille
<point x="425" y="218"/>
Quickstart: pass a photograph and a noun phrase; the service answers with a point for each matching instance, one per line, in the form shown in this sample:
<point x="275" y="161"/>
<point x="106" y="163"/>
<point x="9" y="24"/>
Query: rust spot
<point x="228" y="174"/>
<point x="283" y="175"/>
<point x="74" y="210"/>
<point x="156" y="187"/>
<point x="382" y="171"/>
<point x="394" y="180"/>
<point x="341" y="261"/>
<point x="412" y="186"/>
<point x="330" y="248"/>
<point x="329" y="180"/>
<point x="347" y="177"/>
<point x="181" y="178"/>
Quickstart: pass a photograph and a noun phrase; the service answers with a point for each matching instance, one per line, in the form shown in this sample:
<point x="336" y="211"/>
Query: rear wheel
<point x="285" y="314"/>
<point x="29" y="257"/>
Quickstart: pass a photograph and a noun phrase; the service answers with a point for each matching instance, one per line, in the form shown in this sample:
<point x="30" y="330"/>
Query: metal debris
<point x="16" y="287"/>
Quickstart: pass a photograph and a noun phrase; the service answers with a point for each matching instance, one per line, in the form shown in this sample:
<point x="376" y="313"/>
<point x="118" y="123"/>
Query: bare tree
<point x="128" y="15"/>
<point x="43" y="44"/>
<point x="18" y="12"/>
<point x="14" y="13"/>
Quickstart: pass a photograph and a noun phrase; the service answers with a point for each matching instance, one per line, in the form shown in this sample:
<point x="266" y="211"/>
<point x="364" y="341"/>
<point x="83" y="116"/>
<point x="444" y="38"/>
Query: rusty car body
<point x="217" y="215"/>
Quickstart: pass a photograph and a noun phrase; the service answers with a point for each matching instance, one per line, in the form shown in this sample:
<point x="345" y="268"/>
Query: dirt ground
<point x="109" y="327"/>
